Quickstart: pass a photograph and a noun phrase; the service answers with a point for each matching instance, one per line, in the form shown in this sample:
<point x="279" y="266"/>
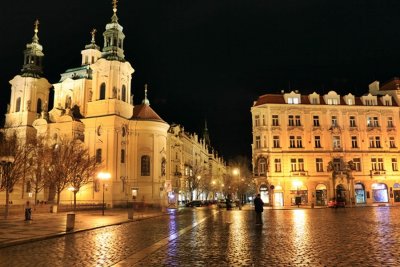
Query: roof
<point x="279" y="99"/>
<point x="144" y="112"/>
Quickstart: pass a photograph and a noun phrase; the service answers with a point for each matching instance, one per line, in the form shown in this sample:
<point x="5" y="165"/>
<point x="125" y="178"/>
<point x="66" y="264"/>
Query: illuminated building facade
<point x="312" y="148"/>
<point x="94" y="103"/>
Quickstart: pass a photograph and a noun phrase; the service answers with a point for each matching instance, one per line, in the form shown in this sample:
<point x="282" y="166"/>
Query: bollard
<point x="70" y="221"/>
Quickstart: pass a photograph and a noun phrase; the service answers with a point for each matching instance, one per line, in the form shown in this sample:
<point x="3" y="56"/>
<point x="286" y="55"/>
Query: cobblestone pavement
<point x="203" y="237"/>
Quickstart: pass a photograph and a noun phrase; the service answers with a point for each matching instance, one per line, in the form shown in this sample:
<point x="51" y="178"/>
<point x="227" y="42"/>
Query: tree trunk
<point x="75" y="199"/>
<point x="7" y="203"/>
<point x="58" y="197"/>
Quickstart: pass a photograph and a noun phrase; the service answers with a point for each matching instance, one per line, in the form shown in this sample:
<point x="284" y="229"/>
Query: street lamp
<point x="103" y="176"/>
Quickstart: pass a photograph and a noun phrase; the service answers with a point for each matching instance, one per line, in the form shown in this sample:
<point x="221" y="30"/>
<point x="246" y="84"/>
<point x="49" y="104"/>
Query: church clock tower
<point x="29" y="90"/>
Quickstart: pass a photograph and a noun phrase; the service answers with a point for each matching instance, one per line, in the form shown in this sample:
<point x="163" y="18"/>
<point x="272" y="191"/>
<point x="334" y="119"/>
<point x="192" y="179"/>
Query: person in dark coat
<point x="259" y="208"/>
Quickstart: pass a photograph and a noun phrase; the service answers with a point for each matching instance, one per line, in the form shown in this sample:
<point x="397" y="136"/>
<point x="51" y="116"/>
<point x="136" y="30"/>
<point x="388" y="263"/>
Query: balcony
<point x="377" y="172"/>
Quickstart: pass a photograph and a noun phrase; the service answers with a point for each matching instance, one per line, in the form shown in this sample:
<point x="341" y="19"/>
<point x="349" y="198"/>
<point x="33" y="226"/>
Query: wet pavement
<point x="368" y="236"/>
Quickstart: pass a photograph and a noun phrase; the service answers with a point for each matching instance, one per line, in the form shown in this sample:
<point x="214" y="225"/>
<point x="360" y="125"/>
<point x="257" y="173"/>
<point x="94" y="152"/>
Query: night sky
<point x="210" y="59"/>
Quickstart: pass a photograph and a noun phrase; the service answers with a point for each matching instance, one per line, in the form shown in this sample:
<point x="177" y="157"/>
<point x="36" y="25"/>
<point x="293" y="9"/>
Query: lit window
<point x="317" y="141"/>
<point x="319" y="165"/>
<point x="278" y="166"/>
<point x="275" y="120"/>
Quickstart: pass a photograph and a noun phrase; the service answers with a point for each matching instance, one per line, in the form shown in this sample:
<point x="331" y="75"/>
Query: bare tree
<point x="194" y="179"/>
<point x="13" y="154"/>
<point x="83" y="168"/>
<point x="70" y="164"/>
<point x="39" y="161"/>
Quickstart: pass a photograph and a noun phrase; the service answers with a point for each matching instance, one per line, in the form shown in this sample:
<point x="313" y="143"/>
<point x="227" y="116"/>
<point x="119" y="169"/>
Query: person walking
<point x="259" y="208"/>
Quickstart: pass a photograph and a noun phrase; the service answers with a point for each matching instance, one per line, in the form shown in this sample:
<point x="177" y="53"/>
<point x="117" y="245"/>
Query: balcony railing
<point x="377" y="172"/>
<point x="299" y="173"/>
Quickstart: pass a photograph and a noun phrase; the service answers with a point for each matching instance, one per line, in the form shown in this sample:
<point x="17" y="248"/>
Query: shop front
<point x="278" y="196"/>
<point x="264" y="194"/>
<point x="321" y="195"/>
<point x="298" y="193"/>
<point x="396" y="192"/>
<point x="360" y="196"/>
<point x="379" y="193"/>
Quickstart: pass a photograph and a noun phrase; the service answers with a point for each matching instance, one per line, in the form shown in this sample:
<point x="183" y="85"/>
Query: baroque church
<point x="94" y="103"/>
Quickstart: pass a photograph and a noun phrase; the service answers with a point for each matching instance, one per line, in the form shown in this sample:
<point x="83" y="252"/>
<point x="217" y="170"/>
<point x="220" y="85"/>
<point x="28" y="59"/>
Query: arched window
<point x="39" y="106"/>
<point x="18" y="105"/>
<point x="102" y="91"/>
<point x="123" y="93"/>
<point x="145" y="166"/>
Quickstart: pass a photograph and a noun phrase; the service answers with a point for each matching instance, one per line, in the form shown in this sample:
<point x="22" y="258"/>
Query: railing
<point x="377" y="172"/>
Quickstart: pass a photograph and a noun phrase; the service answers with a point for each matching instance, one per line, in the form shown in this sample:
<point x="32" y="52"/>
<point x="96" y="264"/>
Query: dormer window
<point x="293" y="100"/>
<point x="332" y="101"/>
<point x="386" y="100"/>
<point x="314" y="98"/>
<point x="369" y="100"/>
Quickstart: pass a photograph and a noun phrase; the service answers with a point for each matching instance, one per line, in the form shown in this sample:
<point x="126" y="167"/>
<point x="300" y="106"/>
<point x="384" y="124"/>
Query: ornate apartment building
<point x="316" y="147"/>
<point x="192" y="157"/>
<point x="94" y="103"/>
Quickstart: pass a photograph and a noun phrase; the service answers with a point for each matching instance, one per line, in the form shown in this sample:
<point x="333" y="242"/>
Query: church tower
<point x="111" y="75"/>
<point x="29" y="90"/>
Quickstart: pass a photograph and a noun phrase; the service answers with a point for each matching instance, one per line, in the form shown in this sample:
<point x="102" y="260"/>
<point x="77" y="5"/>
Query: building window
<point x="314" y="101"/>
<point x="337" y="164"/>
<point x="297" y="120"/>
<point x="316" y="121"/>
<point x="301" y="164"/>
<point x="334" y="121"/>
<point x="276" y="141"/>
<point x="392" y="142"/>
<point x="353" y="121"/>
<point x="299" y="141"/>
<point x="257" y="120"/>
<point x="349" y="101"/>
<point x="374" y="142"/>
<point x="102" y="91"/>
<point x="336" y="142"/>
<point x="18" y="105"/>
<point x="122" y="155"/>
<point x="297" y="164"/>
<point x="291" y="120"/>
<point x="275" y="120"/>
<point x="263" y="120"/>
<point x="123" y="93"/>
<point x="145" y="165"/>
<point x="372" y="122"/>
<point x="377" y="164"/>
<point x="354" y="143"/>
<point x="258" y="142"/>
<point x="98" y="156"/>
<point x="39" y="106"/>
<point x="332" y="101"/>
<point x="262" y="166"/>
<point x="264" y="141"/>
<point x="293" y="165"/>
<point x="394" y="165"/>
<point x="357" y="164"/>
<point x="278" y="166"/>
<point x="319" y="165"/>
<point x="292" y="142"/>
<point x="317" y="141"/>
<point x="293" y="100"/>
<point x="390" y="122"/>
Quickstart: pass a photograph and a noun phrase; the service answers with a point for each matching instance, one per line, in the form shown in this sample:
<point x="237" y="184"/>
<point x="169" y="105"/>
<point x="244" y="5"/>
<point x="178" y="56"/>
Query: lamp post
<point x="103" y="176"/>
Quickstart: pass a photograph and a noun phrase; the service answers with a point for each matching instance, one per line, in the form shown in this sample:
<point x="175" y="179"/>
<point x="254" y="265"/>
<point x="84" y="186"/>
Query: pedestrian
<point x="259" y="208"/>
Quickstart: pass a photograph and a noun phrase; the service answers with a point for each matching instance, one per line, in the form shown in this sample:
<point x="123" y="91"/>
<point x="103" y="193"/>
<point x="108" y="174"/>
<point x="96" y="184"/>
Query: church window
<point x="102" y="91"/>
<point x="122" y="155"/>
<point x="98" y="155"/>
<point x="18" y="105"/>
<point x="39" y="106"/>
<point x="145" y="165"/>
<point x="123" y="96"/>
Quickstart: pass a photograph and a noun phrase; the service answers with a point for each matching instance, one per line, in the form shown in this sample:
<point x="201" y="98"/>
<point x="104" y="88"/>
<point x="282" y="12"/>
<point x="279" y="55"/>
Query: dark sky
<point x="211" y="59"/>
